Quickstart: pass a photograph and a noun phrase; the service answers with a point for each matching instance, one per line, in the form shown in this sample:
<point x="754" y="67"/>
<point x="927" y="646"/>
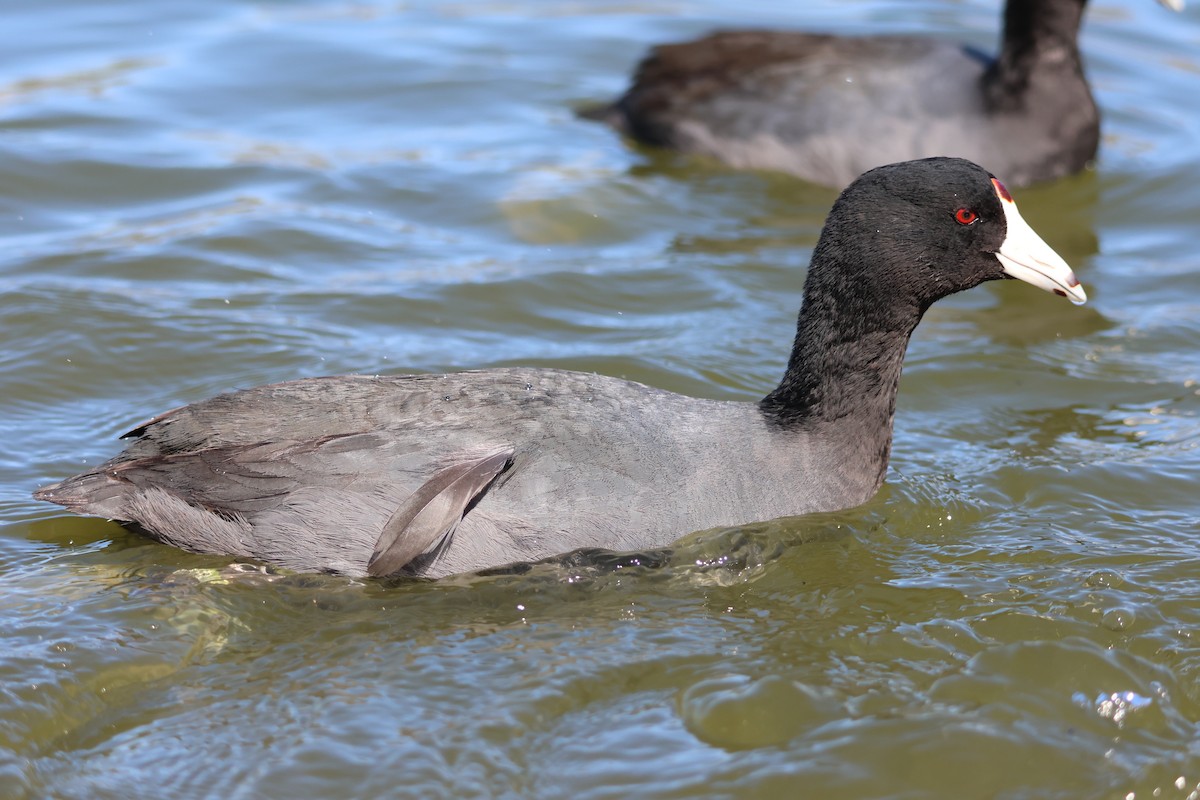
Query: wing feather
<point x="434" y="510"/>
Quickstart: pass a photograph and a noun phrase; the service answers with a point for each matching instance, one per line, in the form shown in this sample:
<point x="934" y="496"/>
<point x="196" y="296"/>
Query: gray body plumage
<point x="597" y="462"/>
<point x="856" y="117"/>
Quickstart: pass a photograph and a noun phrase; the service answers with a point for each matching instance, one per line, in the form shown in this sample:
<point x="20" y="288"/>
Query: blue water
<point x="201" y="196"/>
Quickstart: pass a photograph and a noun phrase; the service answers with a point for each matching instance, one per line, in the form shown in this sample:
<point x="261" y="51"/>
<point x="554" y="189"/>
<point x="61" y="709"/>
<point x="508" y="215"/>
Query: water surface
<point x="198" y="196"/>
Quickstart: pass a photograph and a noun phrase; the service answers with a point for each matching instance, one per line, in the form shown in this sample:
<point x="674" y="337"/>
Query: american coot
<point x="439" y="474"/>
<point x="826" y="108"/>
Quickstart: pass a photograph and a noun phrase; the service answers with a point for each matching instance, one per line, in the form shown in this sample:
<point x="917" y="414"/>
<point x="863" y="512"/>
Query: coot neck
<point x="849" y="348"/>
<point x="1039" y="40"/>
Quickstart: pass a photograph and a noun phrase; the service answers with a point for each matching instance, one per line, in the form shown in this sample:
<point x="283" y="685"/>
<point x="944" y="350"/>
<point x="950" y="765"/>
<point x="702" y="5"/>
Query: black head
<point x="899" y="238"/>
<point x="905" y="235"/>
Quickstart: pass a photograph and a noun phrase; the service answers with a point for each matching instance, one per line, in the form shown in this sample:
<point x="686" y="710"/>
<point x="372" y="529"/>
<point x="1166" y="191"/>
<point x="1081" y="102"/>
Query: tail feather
<point x="609" y="114"/>
<point x="96" y="494"/>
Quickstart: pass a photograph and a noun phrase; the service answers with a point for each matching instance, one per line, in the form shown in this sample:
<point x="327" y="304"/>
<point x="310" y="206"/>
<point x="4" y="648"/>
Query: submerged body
<point x="439" y="474"/>
<point x="827" y="108"/>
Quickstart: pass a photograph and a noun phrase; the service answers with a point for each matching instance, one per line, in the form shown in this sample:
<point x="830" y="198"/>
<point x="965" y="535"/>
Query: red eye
<point x="965" y="216"/>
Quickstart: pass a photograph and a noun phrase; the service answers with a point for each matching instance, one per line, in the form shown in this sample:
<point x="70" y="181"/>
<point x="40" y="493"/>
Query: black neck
<point x="846" y="358"/>
<point x="1039" y="39"/>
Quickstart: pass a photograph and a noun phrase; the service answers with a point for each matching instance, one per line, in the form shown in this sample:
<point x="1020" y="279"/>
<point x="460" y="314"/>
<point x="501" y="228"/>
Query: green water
<point x="201" y="196"/>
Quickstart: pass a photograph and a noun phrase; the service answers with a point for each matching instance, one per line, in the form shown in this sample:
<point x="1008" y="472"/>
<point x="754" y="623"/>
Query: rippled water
<point x="199" y="196"/>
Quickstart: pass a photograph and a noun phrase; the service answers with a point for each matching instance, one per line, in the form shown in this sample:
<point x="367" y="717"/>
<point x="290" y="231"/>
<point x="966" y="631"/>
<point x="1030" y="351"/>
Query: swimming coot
<point x="439" y="474"/>
<point x="826" y="108"/>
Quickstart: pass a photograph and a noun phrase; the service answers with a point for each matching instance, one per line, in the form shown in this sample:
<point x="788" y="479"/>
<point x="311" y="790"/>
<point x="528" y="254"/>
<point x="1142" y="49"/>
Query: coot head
<point x="909" y="234"/>
<point x="899" y="238"/>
